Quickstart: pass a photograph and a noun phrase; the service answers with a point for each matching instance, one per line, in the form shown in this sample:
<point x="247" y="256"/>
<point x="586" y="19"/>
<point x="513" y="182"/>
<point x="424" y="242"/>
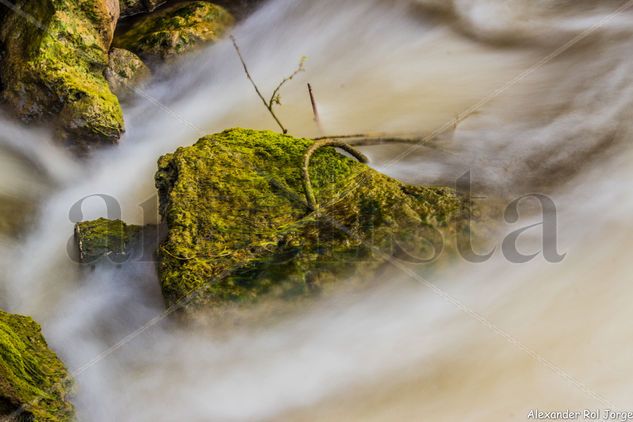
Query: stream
<point x="530" y="96"/>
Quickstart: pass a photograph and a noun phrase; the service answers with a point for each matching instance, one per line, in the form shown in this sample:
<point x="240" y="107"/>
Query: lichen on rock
<point x="239" y="228"/>
<point x="33" y="381"/>
<point x="126" y="72"/>
<point x="55" y="53"/>
<point x="176" y="29"/>
<point x="134" y="7"/>
<point x="102" y="237"/>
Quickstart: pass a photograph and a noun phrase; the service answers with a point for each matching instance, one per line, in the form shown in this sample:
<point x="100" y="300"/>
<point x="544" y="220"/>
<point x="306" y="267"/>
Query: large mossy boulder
<point x="55" y="54"/>
<point x="174" y="30"/>
<point x="34" y="385"/>
<point x="239" y="228"/>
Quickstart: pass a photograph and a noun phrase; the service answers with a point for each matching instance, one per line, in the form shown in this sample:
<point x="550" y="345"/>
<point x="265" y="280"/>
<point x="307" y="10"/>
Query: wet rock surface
<point x="34" y="385"/>
<point x="135" y="7"/>
<point x="126" y="72"/>
<point x="106" y="238"/>
<point x="174" y="30"/>
<point x="55" y="53"/>
<point x="239" y="228"/>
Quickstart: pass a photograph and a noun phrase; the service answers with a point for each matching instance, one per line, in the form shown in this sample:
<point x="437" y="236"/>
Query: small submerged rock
<point x="34" y="384"/>
<point x="176" y="29"/>
<point x="239" y="228"/>
<point x="126" y="71"/>
<point x="102" y="237"/>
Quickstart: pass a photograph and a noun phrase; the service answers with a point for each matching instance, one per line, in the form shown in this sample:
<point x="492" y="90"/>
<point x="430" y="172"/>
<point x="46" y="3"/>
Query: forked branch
<point x="275" y="98"/>
<point x="321" y="142"/>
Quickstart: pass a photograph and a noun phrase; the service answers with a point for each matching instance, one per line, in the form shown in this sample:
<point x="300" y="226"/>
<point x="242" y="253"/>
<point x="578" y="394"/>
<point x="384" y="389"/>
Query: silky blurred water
<point x="502" y="339"/>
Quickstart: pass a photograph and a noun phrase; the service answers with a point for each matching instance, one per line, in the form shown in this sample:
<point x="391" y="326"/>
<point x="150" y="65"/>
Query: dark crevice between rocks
<point x="8" y="410"/>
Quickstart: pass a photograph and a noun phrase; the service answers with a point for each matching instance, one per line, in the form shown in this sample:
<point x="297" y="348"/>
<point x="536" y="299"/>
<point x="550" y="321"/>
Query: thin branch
<point x="307" y="183"/>
<point x="274" y="99"/>
<point x="248" y="74"/>
<point x="368" y="142"/>
<point x="315" y="109"/>
<point x="422" y="142"/>
<point x="372" y="139"/>
<point x="358" y="135"/>
<point x="361" y="139"/>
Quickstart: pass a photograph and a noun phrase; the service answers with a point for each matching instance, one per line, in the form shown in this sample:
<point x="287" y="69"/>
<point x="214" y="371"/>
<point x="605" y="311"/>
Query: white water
<point x="507" y="339"/>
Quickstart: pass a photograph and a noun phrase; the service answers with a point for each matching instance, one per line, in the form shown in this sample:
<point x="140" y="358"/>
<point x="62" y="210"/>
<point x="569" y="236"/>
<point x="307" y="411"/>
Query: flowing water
<point x="486" y="341"/>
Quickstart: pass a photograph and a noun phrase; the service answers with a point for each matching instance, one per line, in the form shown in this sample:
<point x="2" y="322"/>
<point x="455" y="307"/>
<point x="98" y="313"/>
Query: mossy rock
<point x="177" y="29"/>
<point x="106" y="238"/>
<point x="126" y="71"/>
<point x="135" y="7"/>
<point x="33" y="381"/>
<point x="132" y="7"/>
<point x="239" y="228"/>
<point x="53" y="67"/>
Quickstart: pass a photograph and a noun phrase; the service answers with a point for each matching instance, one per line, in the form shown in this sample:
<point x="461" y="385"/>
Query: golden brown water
<point x="482" y="342"/>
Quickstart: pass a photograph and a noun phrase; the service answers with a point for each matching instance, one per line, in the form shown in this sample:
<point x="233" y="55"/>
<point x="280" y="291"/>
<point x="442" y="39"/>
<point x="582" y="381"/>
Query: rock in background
<point x="236" y="7"/>
<point x="174" y="30"/>
<point x="135" y="7"/>
<point x="53" y="67"/>
<point x="126" y="72"/>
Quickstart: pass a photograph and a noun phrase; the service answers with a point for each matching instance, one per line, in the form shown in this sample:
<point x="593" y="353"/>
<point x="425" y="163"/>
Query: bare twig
<point x="375" y="139"/>
<point x="358" y="135"/>
<point x="307" y="183"/>
<point x="369" y="142"/>
<point x="371" y="139"/>
<point x="275" y="98"/>
<point x="315" y="110"/>
<point x="360" y="139"/>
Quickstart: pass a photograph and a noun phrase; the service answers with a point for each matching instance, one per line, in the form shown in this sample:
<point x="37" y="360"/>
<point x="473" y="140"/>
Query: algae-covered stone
<point x="239" y="228"/>
<point x="134" y="7"/>
<point x="55" y="54"/>
<point x="125" y="72"/>
<point x="34" y="385"/>
<point x="175" y="30"/>
<point x="103" y="237"/>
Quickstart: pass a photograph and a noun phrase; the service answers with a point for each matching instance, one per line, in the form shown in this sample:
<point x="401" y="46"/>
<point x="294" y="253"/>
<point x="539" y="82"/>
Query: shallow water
<point x="483" y="341"/>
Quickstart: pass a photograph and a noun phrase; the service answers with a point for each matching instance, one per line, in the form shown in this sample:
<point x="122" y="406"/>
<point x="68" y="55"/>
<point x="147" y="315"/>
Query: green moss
<point x="125" y="72"/>
<point x="239" y="228"/>
<point x="103" y="237"/>
<point x="31" y="375"/>
<point x="176" y="30"/>
<point x="55" y="68"/>
<point x="134" y="7"/>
